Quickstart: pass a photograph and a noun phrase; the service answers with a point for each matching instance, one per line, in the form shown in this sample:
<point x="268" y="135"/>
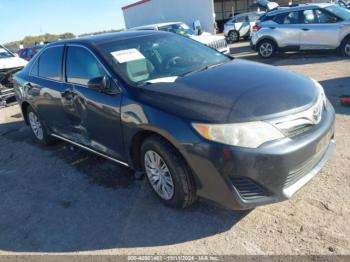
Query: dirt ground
<point x="59" y="200"/>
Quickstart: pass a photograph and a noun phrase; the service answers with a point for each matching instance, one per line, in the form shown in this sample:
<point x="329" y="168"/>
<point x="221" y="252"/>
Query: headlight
<point x="250" y="134"/>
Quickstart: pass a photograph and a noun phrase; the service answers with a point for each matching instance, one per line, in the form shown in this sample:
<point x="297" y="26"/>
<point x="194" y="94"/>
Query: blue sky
<point x="19" y="18"/>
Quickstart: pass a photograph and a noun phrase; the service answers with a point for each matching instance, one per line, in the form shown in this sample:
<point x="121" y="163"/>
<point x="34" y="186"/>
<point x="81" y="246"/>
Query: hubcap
<point x="266" y="49"/>
<point x="347" y="49"/>
<point x="159" y="175"/>
<point x="233" y="36"/>
<point x="36" y="126"/>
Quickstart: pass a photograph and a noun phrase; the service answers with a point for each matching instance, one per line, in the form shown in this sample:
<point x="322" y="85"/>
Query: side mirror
<point x="103" y="84"/>
<point x="99" y="83"/>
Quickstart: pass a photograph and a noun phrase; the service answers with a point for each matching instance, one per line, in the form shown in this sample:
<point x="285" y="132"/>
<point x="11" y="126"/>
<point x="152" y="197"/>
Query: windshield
<point x="140" y="60"/>
<point x="339" y="11"/>
<point x="181" y="29"/>
<point x="4" y="53"/>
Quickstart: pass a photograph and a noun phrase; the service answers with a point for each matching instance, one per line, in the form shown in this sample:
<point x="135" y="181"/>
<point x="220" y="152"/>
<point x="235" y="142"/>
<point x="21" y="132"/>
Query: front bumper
<point x="239" y="178"/>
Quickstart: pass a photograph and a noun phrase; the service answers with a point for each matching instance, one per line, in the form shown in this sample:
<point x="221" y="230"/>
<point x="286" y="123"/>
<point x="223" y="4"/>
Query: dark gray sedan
<point x="196" y="122"/>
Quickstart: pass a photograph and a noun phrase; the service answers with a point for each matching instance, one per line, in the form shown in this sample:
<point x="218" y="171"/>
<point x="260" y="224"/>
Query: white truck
<point x="214" y="41"/>
<point x="10" y="64"/>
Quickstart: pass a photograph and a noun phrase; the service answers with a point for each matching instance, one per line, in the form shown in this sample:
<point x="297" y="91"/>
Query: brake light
<point x="256" y="27"/>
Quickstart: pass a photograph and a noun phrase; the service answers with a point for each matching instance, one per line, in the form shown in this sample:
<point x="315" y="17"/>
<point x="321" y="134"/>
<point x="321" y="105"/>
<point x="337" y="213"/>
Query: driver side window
<point x="81" y="66"/>
<point x="325" y="17"/>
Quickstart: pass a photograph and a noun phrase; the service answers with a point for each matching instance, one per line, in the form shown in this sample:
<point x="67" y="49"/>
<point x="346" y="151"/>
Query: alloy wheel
<point x="36" y="126"/>
<point x="159" y="175"/>
<point x="347" y="49"/>
<point x="266" y="49"/>
<point x="233" y="36"/>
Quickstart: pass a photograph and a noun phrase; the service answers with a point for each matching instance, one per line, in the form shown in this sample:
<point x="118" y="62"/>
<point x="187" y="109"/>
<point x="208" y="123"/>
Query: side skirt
<point x="90" y="150"/>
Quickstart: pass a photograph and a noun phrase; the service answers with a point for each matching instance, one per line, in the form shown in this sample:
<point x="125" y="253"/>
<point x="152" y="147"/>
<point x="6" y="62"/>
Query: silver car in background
<point x="239" y="26"/>
<point x="217" y="42"/>
<point x="303" y="27"/>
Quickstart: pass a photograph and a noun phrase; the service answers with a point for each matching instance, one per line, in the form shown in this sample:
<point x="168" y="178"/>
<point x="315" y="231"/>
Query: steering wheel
<point x="174" y="61"/>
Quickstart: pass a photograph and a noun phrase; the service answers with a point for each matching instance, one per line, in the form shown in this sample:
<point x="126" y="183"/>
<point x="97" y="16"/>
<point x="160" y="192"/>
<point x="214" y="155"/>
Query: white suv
<point x="303" y="27"/>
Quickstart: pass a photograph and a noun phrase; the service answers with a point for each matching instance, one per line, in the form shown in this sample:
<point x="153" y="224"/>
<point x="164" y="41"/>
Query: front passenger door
<point x="320" y="30"/>
<point x="94" y="115"/>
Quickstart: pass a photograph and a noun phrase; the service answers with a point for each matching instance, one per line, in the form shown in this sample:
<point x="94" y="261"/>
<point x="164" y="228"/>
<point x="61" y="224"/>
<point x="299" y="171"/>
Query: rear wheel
<point x="233" y="37"/>
<point x="266" y="49"/>
<point x="167" y="173"/>
<point x="345" y="47"/>
<point x="38" y="128"/>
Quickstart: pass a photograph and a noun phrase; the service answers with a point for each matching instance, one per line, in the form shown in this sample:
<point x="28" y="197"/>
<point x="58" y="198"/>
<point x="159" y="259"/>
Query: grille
<point x="302" y="122"/>
<point x="297" y="130"/>
<point x="304" y="169"/>
<point x="218" y="44"/>
<point x="248" y="189"/>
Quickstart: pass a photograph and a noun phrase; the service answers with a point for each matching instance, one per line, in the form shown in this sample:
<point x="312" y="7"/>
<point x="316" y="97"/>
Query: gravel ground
<point x="63" y="200"/>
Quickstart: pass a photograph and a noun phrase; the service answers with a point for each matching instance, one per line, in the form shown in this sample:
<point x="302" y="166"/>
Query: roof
<point x="298" y="7"/>
<point x="103" y="38"/>
<point x="135" y="4"/>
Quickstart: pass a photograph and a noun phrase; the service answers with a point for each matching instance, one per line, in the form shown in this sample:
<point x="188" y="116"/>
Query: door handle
<point x="305" y="29"/>
<point x="272" y="27"/>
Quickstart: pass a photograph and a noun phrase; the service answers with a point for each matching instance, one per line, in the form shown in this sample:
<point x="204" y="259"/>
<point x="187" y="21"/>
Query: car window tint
<point x="240" y="19"/>
<point x="35" y="68"/>
<point x="280" y="18"/>
<point x="291" y="18"/>
<point x="30" y="53"/>
<point x="265" y="17"/>
<point x="81" y="66"/>
<point x="309" y="17"/>
<point x="253" y="17"/>
<point x="23" y="53"/>
<point x="325" y="17"/>
<point x="50" y="63"/>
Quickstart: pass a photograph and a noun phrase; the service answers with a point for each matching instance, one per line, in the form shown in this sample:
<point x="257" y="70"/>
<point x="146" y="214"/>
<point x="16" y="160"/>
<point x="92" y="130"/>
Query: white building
<point x="206" y="11"/>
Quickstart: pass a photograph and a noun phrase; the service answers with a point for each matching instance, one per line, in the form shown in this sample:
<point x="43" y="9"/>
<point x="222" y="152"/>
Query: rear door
<point x="320" y="30"/>
<point x="45" y="88"/>
<point x="287" y="29"/>
<point x="94" y="116"/>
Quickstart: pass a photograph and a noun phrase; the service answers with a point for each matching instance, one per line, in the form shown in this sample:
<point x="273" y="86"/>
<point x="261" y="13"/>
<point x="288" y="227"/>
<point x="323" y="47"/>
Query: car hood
<point x="12" y="62"/>
<point x="234" y="92"/>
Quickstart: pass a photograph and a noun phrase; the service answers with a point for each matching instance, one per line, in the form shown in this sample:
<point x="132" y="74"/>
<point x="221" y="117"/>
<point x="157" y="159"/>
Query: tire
<point x="39" y="131"/>
<point x="266" y="49"/>
<point x="233" y="36"/>
<point x="174" y="171"/>
<point x="345" y="47"/>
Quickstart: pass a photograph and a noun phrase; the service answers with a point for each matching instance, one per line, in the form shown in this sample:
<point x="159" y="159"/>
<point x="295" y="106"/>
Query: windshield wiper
<point x="200" y="69"/>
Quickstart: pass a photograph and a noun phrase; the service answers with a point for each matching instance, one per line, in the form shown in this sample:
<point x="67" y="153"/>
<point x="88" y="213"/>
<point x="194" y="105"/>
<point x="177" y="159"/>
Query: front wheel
<point x="266" y="49"/>
<point x="345" y="47"/>
<point x="38" y="128"/>
<point x="167" y="173"/>
<point x="233" y="37"/>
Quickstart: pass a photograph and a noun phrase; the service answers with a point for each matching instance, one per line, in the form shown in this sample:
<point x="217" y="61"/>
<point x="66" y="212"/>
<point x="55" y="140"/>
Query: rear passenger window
<point x="50" y="63"/>
<point x="35" y="68"/>
<point x="287" y="18"/>
<point x="82" y="66"/>
<point x="241" y="19"/>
